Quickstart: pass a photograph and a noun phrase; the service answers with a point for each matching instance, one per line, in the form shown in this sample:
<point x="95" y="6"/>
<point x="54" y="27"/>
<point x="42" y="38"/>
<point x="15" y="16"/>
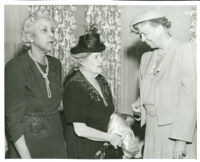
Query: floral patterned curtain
<point x="107" y="19"/>
<point x="193" y="25"/>
<point x="65" y="28"/>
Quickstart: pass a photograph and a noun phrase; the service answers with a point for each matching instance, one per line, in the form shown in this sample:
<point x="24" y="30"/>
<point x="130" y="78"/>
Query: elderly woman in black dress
<point x="88" y="102"/>
<point x="33" y="93"/>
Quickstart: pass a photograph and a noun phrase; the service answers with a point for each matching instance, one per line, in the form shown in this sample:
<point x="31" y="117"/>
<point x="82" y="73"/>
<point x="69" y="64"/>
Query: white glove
<point x="136" y="108"/>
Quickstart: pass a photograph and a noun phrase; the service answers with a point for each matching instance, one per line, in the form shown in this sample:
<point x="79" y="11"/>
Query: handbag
<point x="107" y="151"/>
<point x="119" y="125"/>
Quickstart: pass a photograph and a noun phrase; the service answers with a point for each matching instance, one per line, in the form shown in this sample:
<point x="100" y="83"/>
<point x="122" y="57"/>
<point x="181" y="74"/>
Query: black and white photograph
<point x="100" y="81"/>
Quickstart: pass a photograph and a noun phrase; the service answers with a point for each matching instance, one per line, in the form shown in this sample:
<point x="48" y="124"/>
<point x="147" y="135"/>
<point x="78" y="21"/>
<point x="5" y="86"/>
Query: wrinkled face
<point x="149" y="34"/>
<point x="42" y="34"/>
<point x="93" y="62"/>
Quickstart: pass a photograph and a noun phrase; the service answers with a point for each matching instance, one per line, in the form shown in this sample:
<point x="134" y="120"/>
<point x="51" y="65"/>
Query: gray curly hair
<point x="27" y="27"/>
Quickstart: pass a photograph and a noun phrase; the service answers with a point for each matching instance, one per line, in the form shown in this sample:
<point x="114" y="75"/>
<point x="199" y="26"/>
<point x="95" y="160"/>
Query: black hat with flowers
<point x="90" y="42"/>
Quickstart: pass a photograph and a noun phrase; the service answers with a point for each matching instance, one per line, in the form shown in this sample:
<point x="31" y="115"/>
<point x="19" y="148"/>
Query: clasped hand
<point x="136" y="108"/>
<point x="179" y="150"/>
<point x="115" y="140"/>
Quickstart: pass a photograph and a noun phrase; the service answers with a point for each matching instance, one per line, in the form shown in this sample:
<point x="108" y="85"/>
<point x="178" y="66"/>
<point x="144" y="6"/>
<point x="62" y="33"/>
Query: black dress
<point x="28" y="109"/>
<point x="82" y="103"/>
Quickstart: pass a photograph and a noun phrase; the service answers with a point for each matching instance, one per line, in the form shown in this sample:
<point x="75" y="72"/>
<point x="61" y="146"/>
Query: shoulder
<point x="73" y="85"/>
<point x="54" y="60"/>
<point x="188" y="46"/>
<point x="73" y="79"/>
<point x="19" y="62"/>
<point x="188" y="58"/>
<point x="102" y="79"/>
<point x="187" y="50"/>
<point x="147" y="55"/>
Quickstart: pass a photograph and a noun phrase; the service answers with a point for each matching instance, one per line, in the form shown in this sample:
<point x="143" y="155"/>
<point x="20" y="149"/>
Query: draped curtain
<point x="193" y="26"/>
<point x="107" y="19"/>
<point x="65" y="28"/>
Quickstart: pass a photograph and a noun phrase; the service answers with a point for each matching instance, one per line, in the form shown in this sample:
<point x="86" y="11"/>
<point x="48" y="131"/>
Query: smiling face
<point x="150" y="34"/>
<point x="42" y="34"/>
<point x="93" y="62"/>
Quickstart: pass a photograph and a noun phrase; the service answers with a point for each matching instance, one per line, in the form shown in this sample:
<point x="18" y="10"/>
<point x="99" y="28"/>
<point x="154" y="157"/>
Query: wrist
<point x="109" y="137"/>
<point x="180" y="141"/>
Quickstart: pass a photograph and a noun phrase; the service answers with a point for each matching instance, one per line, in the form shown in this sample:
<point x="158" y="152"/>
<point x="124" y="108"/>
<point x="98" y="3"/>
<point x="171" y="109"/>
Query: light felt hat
<point x="148" y="15"/>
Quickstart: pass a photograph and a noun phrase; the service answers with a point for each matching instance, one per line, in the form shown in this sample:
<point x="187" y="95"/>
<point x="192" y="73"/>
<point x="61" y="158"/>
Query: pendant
<point x="48" y="87"/>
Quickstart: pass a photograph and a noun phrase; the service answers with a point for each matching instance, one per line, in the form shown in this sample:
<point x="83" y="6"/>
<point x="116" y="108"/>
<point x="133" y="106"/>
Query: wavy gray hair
<point x="27" y="27"/>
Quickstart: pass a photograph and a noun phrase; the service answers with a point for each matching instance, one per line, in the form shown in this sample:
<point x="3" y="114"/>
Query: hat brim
<point x="146" y="16"/>
<point x="132" y="27"/>
<point x="135" y="22"/>
<point x="76" y="50"/>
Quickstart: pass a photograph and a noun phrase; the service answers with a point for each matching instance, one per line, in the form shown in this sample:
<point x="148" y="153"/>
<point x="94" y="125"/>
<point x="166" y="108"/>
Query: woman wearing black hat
<point x="167" y="90"/>
<point x="88" y="102"/>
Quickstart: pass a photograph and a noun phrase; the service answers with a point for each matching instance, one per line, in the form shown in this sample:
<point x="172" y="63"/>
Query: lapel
<point x="167" y="70"/>
<point x="169" y="63"/>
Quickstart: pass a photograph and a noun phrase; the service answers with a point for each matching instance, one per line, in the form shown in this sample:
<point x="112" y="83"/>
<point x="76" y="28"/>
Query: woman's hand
<point x="179" y="149"/>
<point x="60" y="107"/>
<point x="6" y="145"/>
<point x="22" y="148"/>
<point x="136" y="108"/>
<point x="115" y="140"/>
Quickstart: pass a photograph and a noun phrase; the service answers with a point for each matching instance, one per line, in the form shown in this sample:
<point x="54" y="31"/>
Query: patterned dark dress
<point x="82" y="103"/>
<point x="29" y="111"/>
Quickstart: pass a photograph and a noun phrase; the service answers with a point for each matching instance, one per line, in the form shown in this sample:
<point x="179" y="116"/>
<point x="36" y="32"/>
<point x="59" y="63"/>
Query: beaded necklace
<point x="44" y="75"/>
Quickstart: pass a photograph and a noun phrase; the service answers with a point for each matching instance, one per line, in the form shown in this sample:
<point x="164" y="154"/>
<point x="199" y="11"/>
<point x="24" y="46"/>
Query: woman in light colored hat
<point x="87" y="100"/>
<point x="167" y="102"/>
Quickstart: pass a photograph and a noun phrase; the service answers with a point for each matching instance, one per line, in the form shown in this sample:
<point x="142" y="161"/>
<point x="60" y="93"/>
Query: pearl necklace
<point x="44" y="75"/>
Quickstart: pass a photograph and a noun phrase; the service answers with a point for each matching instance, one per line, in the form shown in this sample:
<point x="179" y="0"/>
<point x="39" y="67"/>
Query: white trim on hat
<point x="148" y="15"/>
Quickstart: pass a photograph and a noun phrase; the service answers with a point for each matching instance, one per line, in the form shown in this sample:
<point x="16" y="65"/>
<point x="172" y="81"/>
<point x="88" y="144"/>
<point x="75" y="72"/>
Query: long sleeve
<point x="14" y="97"/>
<point x="185" y="118"/>
<point x="74" y="103"/>
<point x="140" y="99"/>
